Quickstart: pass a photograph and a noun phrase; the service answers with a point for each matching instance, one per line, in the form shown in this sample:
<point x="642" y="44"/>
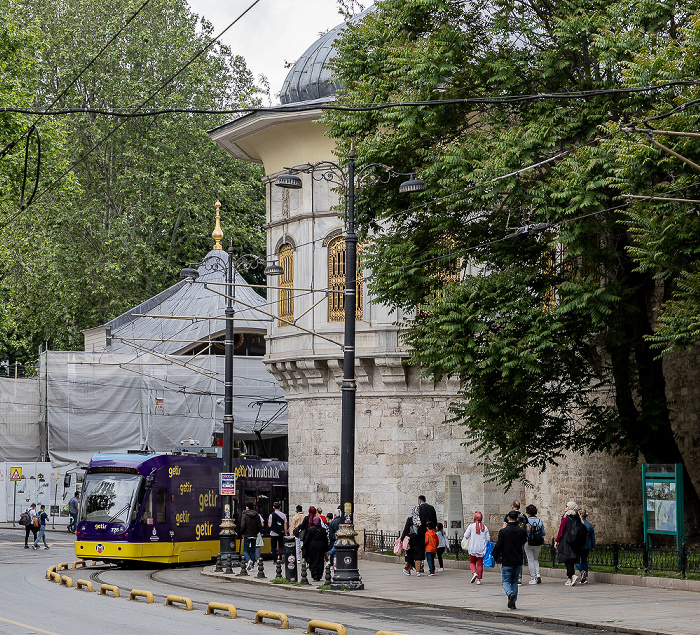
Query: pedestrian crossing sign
<point x="15" y="474"/>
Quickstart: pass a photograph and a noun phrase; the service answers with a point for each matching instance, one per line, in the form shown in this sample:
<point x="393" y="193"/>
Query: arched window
<point x="336" y="281"/>
<point x="286" y="282"/>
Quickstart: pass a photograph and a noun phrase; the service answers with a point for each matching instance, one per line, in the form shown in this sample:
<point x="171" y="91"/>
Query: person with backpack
<point x="279" y="527"/>
<point x="27" y="519"/>
<point x="535" y="540"/>
<point x="570" y="541"/>
<point x="587" y="547"/>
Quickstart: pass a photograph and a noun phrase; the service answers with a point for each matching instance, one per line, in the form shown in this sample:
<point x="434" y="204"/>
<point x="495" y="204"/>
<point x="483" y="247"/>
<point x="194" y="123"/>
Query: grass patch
<point x="323" y="587"/>
<point x="283" y="581"/>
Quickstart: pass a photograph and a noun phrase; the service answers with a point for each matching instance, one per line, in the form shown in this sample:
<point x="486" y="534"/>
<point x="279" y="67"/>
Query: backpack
<point x="277" y="524"/>
<point x="579" y="535"/>
<point x="25" y="519"/>
<point x="535" y="537"/>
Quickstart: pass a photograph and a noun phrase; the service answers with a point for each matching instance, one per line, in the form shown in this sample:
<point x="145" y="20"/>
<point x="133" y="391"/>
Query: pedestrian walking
<point x="34" y="528"/>
<point x="478" y="536"/>
<point x="296" y="520"/>
<point x="588" y="546"/>
<point x="42" y="516"/>
<point x="431" y="546"/>
<point x="570" y="540"/>
<point x="250" y="527"/>
<point x="522" y="522"/>
<point x="279" y="528"/>
<point x="443" y="545"/>
<point x="426" y="513"/>
<point x="535" y="540"/>
<point x="409" y="540"/>
<point x="333" y="527"/>
<point x="509" y="547"/>
<point x="73" y="505"/>
<point x="315" y="547"/>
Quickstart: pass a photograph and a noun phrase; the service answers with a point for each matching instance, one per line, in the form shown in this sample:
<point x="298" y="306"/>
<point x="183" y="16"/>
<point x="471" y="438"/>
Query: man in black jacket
<point x="509" y="547"/>
<point x="426" y="514"/>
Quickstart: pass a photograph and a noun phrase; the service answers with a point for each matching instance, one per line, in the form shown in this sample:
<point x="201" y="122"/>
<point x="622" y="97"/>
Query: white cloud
<point x="272" y="32"/>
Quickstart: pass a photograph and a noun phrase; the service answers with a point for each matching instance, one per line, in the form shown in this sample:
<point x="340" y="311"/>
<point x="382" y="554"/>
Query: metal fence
<point x="617" y="557"/>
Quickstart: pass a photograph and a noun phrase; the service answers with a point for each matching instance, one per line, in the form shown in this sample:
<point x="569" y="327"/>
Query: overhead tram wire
<point x="10" y="145"/>
<point x="172" y="77"/>
<point x="371" y="107"/>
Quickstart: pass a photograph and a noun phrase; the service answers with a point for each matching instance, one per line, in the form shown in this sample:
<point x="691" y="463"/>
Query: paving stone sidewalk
<point x="608" y="607"/>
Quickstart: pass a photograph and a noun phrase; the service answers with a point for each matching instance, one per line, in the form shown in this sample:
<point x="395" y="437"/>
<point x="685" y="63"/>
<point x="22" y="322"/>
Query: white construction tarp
<point x="117" y="402"/>
<point x="20" y="420"/>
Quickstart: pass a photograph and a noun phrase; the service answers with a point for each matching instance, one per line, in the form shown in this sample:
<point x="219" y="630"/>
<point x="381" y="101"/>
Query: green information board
<point x="663" y="501"/>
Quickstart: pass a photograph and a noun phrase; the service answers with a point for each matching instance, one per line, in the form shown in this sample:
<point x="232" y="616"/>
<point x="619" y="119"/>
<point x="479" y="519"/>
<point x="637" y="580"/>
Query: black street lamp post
<point x="228" y="556"/>
<point x="347" y="575"/>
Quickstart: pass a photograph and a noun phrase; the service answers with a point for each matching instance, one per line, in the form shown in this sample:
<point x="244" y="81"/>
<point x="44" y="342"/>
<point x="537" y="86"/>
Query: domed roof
<point x="310" y="77"/>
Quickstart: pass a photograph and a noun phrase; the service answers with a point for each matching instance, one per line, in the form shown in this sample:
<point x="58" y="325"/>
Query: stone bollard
<point x="261" y="569"/>
<point x="304" y="577"/>
<point x="327" y="579"/>
<point x="278" y="569"/>
<point x="228" y="563"/>
<point x="218" y="566"/>
<point x="244" y="568"/>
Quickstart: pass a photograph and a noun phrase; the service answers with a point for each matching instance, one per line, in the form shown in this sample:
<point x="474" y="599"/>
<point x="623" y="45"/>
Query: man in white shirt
<point x="279" y="527"/>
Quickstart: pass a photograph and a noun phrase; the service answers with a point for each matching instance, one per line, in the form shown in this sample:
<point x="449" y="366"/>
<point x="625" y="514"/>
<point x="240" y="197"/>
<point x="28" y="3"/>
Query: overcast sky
<point x="272" y="32"/>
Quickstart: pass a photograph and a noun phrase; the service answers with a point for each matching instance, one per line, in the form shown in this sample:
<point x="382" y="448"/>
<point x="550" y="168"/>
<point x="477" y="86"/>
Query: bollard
<point x="109" y="587"/>
<point x="84" y="583"/>
<point x="329" y="626"/>
<point x="54" y="577"/>
<point x="327" y="578"/>
<point x="218" y="568"/>
<point x="176" y="599"/>
<point x="304" y="577"/>
<point x="137" y="593"/>
<point x="61" y="566"/>
<point x="66" y="580"/>
<point x="79" y="563"/>
<point x="261" y="570"/>
<point x="212" y="607"/>
<point x="50" y="570"/>
<point x="244" y="568"/>
<point x="278" y="569"/>
<point x="283" y="619"/>
<point x="228" y="563"/>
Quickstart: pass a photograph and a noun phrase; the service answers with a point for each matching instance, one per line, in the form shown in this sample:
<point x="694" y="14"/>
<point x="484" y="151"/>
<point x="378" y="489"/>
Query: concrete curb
<point x="510" y="615"/>
<point x="620" y="579"/>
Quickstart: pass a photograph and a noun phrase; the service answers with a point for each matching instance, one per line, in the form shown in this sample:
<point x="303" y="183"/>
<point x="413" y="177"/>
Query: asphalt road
<point x="31" y="604"/>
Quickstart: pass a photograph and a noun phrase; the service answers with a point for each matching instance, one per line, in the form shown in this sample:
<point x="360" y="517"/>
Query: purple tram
<point x="166" y="508"/>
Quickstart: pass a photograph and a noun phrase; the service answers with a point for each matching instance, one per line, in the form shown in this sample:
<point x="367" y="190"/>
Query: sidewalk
<point x="613" y="608"/>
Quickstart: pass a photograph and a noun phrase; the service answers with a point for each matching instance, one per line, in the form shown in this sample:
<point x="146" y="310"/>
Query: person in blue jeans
<point x="43" y="517"/>
<point x="509" y="548"/>
<point x="588" y="547"/>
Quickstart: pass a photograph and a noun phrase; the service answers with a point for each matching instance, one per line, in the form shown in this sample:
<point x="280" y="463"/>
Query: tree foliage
<point x="137" y="201"/>
<point x="550" y="331"/>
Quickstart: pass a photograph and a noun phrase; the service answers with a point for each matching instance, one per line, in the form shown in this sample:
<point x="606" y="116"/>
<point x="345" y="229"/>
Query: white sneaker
<point x="418" y="574"/>
<point x="533" y="581"/>
<point x="441" y="569"/>
<point x="478" y="581"/>
<point x="250" y="565"/>
<point x="474" y="577"/>
<point x="574" y="580"/>
<point x="567" y="583"/>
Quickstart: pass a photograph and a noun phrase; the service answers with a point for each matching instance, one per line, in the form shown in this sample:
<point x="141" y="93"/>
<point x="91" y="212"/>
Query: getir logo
<point x="202" y="530"/>
<point x="174" y="471"/>
<point x="208" y="500"/>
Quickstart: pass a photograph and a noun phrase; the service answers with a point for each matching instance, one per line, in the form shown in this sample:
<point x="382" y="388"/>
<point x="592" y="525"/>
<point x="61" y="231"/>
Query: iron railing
<point x="618" y="557"/>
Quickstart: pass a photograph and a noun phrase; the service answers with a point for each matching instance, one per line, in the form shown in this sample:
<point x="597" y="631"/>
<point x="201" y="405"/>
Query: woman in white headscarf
<point x="478" y="535"/>
<point x="568" y="541"/>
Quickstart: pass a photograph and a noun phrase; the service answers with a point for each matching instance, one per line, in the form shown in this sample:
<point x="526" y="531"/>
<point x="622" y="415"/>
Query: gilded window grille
<point x="286" y="282"/>
<point x="336" y="281"/>
<point x="556" y="260"/>
<point x="452" y="273"/>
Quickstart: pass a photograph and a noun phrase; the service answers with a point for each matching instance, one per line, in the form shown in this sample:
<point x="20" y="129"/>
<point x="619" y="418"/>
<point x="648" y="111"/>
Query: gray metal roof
<point x="195" y="301"/>
<point x="310" y="78"/>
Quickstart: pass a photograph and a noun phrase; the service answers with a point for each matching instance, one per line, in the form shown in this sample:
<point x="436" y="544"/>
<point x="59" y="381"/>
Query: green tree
<point x="144" y="188"/>
<point x="549" y="334"/>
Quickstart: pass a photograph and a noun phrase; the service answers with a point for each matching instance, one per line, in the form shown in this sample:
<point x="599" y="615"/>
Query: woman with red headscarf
<point x="478" y="535"/>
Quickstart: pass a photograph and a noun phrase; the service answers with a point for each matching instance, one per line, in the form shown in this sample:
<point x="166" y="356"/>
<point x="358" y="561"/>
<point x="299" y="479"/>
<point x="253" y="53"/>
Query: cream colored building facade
<point x="404" y="447"/>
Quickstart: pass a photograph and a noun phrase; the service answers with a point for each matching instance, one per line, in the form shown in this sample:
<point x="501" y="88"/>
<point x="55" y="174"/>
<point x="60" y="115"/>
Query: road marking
<point x="31" y="628"/>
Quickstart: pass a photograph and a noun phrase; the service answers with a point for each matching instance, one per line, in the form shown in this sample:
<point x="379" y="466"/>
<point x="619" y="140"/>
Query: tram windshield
<point x="109" y="498"/>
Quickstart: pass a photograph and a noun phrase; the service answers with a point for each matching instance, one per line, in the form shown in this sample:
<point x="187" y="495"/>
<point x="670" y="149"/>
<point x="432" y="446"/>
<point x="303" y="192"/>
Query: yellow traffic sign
<point x="15" y="473"/>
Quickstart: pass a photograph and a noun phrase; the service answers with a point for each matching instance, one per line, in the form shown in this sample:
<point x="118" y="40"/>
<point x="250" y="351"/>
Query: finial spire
<point x="217" y="234"/>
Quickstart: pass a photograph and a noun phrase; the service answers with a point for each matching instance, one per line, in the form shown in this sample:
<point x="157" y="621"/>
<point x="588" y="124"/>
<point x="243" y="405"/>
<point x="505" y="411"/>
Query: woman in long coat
<point x="410" y="532"/>
<point x="568" y="551"/>
<point x="315" y="548"/>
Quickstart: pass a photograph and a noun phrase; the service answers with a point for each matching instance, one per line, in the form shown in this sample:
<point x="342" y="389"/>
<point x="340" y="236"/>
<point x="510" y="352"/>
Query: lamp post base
<point x="346" y="576"/>
<point x="228" y="556"/>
